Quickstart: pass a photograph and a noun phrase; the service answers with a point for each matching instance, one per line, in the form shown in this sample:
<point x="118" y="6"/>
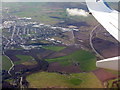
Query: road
<point x="91" y="44"/>
<point x="13" y="33"/>
<point x="11" y="63"/>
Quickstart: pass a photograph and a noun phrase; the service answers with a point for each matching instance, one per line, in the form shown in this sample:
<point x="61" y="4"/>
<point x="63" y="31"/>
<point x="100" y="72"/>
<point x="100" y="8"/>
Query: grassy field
<point x="28" y="63"/>
<point x="54" y="48"/>
<point x="43" y="11"/>
<point x="81" y="80"/>
<point x="6" y="64"/>
<point x="23" y="59"/>
<point x="38" y="11"/>
<point x="85" y="59"/>
<point x="18" y="48"/>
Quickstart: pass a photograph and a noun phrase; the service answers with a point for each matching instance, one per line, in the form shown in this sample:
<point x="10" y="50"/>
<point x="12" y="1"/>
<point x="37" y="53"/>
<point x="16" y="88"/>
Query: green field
<point x="54" y="48"/>
<point x="81" y="80"/>
<point x="85" y="59"/>
<point x="38" y="11"/>
<point x="6" y="64"/>
<point x="43" y="11"/>
<point x="23" y="58"/>
<point x="18" y="48"/>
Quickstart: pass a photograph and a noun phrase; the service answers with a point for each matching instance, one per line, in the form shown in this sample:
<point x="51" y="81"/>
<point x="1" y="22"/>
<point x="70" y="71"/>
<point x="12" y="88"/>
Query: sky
<point x="53" y="0"/>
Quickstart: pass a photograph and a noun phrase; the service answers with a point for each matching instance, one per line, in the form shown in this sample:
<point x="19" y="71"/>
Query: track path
<point x="91" y="44"/>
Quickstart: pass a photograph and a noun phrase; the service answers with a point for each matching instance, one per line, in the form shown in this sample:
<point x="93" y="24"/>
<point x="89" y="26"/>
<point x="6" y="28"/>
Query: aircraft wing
<point x="108" y="18"/>
<point x="109" y="63"/>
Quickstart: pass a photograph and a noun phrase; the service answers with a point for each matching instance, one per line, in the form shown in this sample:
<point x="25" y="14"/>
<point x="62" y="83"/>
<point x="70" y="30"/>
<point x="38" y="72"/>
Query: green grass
<point x="75" y="81"/>
<point x="9" y="81"/>
<point x="19" y="48"/>
<point x="54" y="48"/>
<point x="23" y="58"/>
<point x="24" y="35"/>
<point x="80" y="80"/>
<point x="6" y="64"/>
<point x="85" y="59"/>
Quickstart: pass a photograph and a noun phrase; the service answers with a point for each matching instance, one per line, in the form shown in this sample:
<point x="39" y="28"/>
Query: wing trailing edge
<point x="110" y="63"/>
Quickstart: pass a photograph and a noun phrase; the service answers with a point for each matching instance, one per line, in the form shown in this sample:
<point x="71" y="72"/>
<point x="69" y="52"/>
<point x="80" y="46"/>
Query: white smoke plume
<point x="77" y="12"/>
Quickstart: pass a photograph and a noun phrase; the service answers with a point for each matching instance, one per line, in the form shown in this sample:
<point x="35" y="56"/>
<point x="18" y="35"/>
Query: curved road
<point x="11" y="63"/>
<point x="91" y="44"/>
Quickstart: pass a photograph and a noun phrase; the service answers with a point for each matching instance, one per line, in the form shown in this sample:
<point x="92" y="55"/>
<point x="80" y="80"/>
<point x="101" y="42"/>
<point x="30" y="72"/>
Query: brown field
<point x="104" y="75"/>
<point x="56" y="67"/>
<point x="106" y="48"/>
<point x="63" y="52"/>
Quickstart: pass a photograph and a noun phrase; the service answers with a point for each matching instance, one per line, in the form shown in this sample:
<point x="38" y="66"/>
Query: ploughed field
<point x="106" y="48"/>
<point x="80" y="60"/>
<point x="67" y="72"/>
<point x="85" y="60"/>
<point x="23" y="59"/>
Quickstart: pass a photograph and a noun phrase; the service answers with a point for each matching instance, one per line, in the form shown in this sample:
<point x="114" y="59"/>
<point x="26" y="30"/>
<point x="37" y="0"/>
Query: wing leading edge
<point x="107" y="17"/>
